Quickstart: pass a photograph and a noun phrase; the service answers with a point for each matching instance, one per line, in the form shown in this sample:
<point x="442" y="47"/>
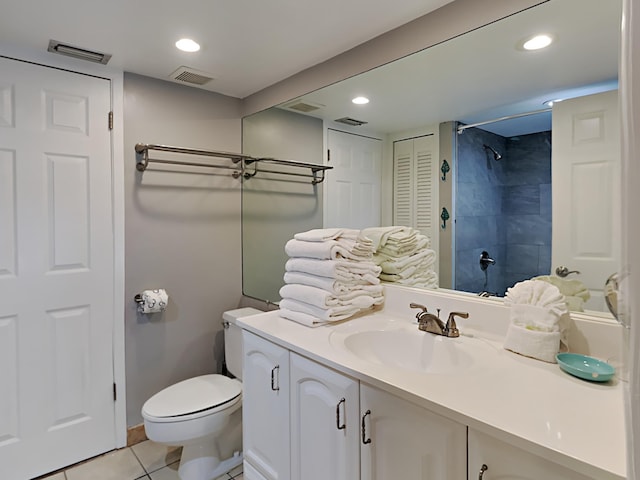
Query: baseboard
<point x="136" y="435"/>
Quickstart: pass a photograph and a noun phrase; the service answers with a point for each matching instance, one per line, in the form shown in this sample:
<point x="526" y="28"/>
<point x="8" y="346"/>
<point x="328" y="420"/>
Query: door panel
<point x="56" y="269"/>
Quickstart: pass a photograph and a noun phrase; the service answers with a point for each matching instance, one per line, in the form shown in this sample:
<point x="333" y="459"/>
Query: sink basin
<point x="399" y="344"/>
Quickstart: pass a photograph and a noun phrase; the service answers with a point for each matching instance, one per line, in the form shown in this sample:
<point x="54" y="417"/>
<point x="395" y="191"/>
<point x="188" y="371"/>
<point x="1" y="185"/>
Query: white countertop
<point x="530" y="404"/>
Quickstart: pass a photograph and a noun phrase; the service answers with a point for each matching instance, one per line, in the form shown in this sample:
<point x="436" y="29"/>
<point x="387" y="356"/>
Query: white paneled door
<point x="56" y="269"/>
<point x="353" y="186"/>
<point x="586" y="190"/>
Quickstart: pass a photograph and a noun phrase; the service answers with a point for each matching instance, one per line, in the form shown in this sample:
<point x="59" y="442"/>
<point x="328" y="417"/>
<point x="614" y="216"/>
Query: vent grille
<point x="350" y="121"/>
<point x="192" y="76"/>
<point x="304" y="107"/>
<point x="77" y="52"/>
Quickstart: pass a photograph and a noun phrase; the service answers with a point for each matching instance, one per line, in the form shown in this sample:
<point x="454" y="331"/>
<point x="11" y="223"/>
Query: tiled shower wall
<point x="503" y="207"/>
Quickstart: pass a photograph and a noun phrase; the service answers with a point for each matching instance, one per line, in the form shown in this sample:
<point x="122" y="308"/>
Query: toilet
<point x="204" y="414"/>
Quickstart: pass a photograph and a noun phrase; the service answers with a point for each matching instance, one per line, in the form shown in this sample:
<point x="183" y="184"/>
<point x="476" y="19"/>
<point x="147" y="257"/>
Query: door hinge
<point x="328" y="155"/>
<point x="115" y="395"/>
<point x="110" y="120"/>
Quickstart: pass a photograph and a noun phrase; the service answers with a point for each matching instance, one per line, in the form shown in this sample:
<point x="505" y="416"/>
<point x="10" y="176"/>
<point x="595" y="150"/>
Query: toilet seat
<point x="193" y="398"/>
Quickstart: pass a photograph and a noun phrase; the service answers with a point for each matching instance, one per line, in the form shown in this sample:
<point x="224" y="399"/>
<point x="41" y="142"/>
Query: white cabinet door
<point x="504" y="461"/>
<point x="402" y="440"/>
<point x="324" y="423"/>
<point x="265" y="407"/>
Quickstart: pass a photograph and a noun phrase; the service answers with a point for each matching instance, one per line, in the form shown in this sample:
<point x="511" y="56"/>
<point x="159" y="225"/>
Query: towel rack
<point x="242" y="162"/>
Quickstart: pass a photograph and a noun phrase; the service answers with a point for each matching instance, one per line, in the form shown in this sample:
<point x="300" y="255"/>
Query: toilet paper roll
<point x="153" y="301"/>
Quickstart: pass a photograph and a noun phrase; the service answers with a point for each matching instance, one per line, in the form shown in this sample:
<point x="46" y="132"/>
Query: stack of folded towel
<point x="539" y="320"/>
<point x="404" y="256"/>
<point x="330" y="276"/>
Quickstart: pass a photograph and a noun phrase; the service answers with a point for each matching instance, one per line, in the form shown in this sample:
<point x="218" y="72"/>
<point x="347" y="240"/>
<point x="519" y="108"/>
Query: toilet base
<point x="197" y="462"/>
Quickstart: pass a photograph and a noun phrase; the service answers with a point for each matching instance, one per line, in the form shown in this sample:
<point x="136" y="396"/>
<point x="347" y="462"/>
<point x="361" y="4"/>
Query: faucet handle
<point x="452" y="328"/>
<point x="417" y="305"/>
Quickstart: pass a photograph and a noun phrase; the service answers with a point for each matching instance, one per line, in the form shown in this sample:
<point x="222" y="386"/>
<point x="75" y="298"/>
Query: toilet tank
<point x="233" y="338"/>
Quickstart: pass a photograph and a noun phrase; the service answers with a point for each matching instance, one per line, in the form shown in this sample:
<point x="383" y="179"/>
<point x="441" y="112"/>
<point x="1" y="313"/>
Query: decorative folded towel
<point x="575" y="292"/>
<point x="324" y="234"/>
<point x="326" y="314"/>
<point x="324" y="299"/>
<point x="328" y="250"/>
<point x="343" y="270"/>
<point x="331" y="284"/>
<point x="539" y="320"/>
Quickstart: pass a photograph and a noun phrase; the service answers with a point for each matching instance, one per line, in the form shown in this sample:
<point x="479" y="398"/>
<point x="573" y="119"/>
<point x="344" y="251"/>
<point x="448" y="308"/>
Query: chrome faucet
<point x="428" y="322"/>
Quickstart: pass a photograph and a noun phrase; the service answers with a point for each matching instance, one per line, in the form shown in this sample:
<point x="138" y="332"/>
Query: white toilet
<point x="204" y="414"/>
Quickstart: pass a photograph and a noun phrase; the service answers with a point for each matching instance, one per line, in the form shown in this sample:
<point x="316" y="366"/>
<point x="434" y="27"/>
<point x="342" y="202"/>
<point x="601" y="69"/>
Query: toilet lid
<point x="193" y="395"/>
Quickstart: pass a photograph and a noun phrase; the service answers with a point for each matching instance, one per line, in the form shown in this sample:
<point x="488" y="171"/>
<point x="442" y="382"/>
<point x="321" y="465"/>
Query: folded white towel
<point x="327" y="314"/>
<point x="343" y="270"/>
<point x="331" y="284"/>
<point x="324" y="299"/>
<point x="532" y="343"/>
<point x="302" y="318"/>
<point x="424" y="279"/>
<point x="424" y="258"/>
<point x="323" y="234"/>
<point x="380" y="235"/>
<point x="327" y="250"/>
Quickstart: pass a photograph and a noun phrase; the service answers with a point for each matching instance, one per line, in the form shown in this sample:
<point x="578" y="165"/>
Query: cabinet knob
<point x="483" y="469"/>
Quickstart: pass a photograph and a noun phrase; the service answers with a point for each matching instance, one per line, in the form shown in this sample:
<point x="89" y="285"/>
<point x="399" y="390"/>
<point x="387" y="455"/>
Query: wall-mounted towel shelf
<point x="245" y="165"/>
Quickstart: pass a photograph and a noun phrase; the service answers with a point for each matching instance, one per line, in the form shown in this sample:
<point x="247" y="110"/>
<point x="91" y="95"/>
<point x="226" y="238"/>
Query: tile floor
<point x="144" y="461"/>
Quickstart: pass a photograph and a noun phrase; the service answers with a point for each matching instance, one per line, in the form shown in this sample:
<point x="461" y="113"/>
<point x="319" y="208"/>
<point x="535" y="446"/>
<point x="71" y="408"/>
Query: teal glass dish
<point x="585" y="367"/>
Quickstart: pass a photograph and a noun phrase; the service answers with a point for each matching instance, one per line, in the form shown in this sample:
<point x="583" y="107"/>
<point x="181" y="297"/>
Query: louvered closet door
<point x="56" y="269"/>
<point x="415" y="182"/>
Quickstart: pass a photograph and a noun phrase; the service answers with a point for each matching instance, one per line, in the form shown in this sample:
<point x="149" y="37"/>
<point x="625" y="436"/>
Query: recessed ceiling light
<point x="537" y="42"/>
<point x="360" y="100"/>
<point x="187" y="45"/>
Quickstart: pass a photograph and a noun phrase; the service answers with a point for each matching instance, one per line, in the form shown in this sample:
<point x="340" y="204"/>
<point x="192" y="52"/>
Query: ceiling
<point x="247" y="45"/>
<point x="483" y="75"/>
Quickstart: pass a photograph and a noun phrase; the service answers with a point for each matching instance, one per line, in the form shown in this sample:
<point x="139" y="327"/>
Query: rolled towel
<point x="343" y="270"/>
<point x="532" y="343"/>
<point x="329" y="284"/>
<point x="324" y="234"/>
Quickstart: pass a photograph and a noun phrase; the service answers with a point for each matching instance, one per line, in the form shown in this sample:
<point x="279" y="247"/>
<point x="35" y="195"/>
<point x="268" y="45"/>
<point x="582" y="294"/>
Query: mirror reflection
<point x="458" y="142"/>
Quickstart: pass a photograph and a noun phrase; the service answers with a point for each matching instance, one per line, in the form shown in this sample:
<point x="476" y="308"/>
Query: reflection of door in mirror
<point x="353" y="188"/>
<point x="586" y="196"/>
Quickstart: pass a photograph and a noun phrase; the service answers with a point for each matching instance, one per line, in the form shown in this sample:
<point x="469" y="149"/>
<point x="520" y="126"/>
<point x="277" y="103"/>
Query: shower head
<point x="496" y="155"/>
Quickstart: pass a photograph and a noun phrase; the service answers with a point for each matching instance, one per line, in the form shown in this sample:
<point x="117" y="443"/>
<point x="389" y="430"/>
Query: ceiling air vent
<point x="191" y="75"/>
<point x="304" y="107"/>
<point x="350" y="121"/>
<point x="77" y="52"/>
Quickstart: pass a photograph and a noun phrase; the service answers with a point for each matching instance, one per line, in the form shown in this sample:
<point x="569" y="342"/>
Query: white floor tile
<point x="117" y="465"/>
<point x="154" y="456"/>
<point x="166" y="473"/>
<point x="236" y="471"/>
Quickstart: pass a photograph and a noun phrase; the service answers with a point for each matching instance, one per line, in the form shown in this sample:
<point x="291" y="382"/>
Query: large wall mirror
<point x="535" y="187"/>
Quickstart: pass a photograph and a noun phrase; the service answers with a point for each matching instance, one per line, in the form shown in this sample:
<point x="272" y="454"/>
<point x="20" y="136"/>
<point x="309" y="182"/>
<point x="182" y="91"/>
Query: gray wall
<point x="275" y="207"/>
<point x="182" y="233"/>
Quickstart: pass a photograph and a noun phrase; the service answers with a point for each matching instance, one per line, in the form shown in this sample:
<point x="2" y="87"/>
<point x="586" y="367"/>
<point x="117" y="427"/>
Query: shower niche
<point x="503" y="206"/>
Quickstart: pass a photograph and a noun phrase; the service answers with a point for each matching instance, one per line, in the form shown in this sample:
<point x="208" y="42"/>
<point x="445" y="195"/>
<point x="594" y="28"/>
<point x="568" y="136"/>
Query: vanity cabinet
<point x="490" y="458"/>
<point x="403" y="440"/>
<point x="265" y="410"/>
<point x="333" y="427"/>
